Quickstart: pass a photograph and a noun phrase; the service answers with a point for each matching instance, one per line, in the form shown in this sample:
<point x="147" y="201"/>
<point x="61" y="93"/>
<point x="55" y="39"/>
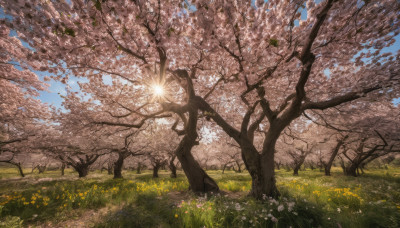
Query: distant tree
<point x="9" y="157"/>
<point x="362" y="152"/>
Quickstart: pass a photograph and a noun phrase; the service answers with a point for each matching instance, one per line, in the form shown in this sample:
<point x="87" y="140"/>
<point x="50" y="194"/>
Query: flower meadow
<point x="308" y="200"/>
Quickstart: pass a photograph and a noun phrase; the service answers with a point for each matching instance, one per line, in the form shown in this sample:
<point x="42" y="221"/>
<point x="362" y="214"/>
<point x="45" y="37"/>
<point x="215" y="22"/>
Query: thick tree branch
<point x="338" y="100"/>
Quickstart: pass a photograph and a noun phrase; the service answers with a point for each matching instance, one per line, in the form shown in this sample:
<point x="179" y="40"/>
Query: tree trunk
<point x="110" y="168"/>
<point x="21" y="172"/>
<point x="335" y="151"/>
<point x="278" y="165"/>
<point x="155" y="171"/>
<point x="118" y="166"/>
<point x="351" y="170"/>
<point x="261" y="169"/>
<point x="41" y="168"/>
<point x="223" y="168"/>
<point x="239" y="168"/>
<point x="82" y="170"/>
<point x="62" y="169"/>
<point x="138" y="169"/>
<point x="172" y="167"/>
<point x="296" y="170"/>
<point x="327" y="170"/>
<point x="199" y="181"/>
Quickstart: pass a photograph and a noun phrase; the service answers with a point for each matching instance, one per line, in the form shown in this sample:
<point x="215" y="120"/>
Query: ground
<point x="308" y="200"/>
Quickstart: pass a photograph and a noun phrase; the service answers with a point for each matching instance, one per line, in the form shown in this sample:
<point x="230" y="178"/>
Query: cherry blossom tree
<point x="363" y="134"/>
<point x="22" y="116"/>
<point x="264" y="62"/>
<point x="162" y="143"/>
<point x="300" y="54"/>
<point x="327" y="164"/>
<point x="12" y="158"/>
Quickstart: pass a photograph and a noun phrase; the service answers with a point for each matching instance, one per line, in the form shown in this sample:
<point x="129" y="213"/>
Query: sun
<point x="158" y="90"/>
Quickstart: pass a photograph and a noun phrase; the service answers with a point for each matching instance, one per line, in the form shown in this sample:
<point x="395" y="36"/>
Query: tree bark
<point x="138" y="169"/>
<point x="335" y="151"/>
<point x="172" y="167"/>
<point x="118" y="166"/>
<point x="351" y="170"/>
<point x="239" y="167"/>
<point x="155" y="171"/>
<point x="296" y="170"/>
<point x="82" y="170"/>
<point x="278" y="165"/>
<point x="62" y="169"/>
<point x="261" y="169"/>
<point x="110" y="168"/>
<point x="224" y="167"/>
<point x="21" y="172"/>
<point x="198" y="179"/>
<point x="41" y="168"/>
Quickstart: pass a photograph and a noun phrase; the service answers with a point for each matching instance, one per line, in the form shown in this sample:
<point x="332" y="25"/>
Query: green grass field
<point x="308" y="200"/>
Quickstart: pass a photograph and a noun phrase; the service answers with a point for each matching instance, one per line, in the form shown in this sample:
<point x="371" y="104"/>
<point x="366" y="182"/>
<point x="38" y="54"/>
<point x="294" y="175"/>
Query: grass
<point x="308" y="200"/>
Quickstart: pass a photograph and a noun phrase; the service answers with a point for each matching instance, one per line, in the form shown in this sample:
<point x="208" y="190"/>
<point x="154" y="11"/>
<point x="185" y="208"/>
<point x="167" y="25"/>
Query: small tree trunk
<point x="110" y="168"/>
<point x="21" y="172"/>
<point x="82" y="170"/>
<point x="41" y="168"/>
<point x="335" y="151"/>
<point x="62" y="169"/>
<point x="239" y="167"/>
<point x="361" y="167"/>
<point x="296" y="170"/>
<point x="327" y="169"/>
<point x="172" y="167"/>
<point x="138" y="169"/>
<point x="118" y="166"/>
<point x="351" y="170"/>
<point x="223" y="168"/>
<point x="155" y="171"/>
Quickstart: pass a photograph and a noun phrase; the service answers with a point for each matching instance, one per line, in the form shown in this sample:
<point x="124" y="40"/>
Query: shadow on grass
<point x="147" y="210"/>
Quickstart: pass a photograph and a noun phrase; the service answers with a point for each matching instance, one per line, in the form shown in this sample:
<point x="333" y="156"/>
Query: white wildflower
<point x="338" y="210"/>
<point x="281" y="208"/>
<point x="290" y="206"/>
<point x="264" y="197"/>
<point x="237" y="207"/>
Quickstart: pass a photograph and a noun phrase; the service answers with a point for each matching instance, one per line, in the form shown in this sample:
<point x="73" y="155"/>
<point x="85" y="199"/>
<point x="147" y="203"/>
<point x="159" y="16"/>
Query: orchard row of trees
<point x="214" y="155"/>
<point x="167" y="78"/>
